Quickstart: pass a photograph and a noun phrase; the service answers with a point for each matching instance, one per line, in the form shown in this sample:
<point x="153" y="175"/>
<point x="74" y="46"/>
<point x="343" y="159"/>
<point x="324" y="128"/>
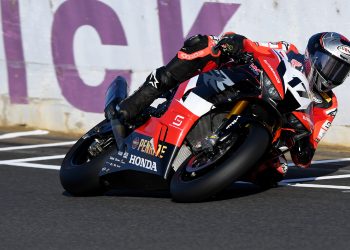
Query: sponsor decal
<point x="326" y="125"/>
<point x="296" y="64"/>
<point x="332" y="112"/>
<point x="271" y="45"/>
<point x="113" y="162"/>
<point x="218" y="80"/>
<point x="273" y="71"/>
<point x="135" y="143"/>
<point x="146" y="146"/>
<point x="283" y="169"/>
<point x="178" y="120"/>
<point x="233" y="122"/>
<point x="255" y="69"/>
<point x="143" y="163"/>
<point x="106" y="170"/>
<point x="344" y="49"/>
<point x="316" y="100"/>
<point x="120" y="158"/>
<point x="125" y="155"/>
<point x="192" y="56"/>
<point x="153" y="80"/>
<point x="306" y="118"/>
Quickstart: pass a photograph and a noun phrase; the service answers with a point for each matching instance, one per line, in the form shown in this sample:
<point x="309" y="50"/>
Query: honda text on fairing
<point x="202" y="138"/>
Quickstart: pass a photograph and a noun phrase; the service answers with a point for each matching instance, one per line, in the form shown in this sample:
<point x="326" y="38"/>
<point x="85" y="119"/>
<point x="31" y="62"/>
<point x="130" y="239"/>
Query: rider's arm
<point x="196" y="55"/>
<point x="199" y="53"/>
<point x="323" y="116"/>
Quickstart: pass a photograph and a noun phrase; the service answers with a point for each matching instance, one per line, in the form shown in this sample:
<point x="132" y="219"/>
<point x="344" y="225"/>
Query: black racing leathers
<point x="197" y="55"/>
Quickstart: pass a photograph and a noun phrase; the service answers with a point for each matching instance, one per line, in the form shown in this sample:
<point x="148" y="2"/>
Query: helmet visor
<point x="332" y="69"/>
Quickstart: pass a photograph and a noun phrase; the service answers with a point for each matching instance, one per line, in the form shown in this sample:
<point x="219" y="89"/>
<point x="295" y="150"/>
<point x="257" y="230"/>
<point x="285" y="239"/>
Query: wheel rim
<point x="201" y="163"/>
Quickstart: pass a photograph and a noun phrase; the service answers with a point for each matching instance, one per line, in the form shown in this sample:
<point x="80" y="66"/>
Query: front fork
<point x="224" y="129"/>
<point x="238" y="108"/>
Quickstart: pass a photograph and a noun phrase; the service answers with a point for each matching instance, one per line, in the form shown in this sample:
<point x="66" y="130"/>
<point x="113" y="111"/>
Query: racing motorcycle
<point x="208" y="133"/>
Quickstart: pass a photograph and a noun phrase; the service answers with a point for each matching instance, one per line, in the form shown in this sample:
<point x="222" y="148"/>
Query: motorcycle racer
<point x="326" y="64"/>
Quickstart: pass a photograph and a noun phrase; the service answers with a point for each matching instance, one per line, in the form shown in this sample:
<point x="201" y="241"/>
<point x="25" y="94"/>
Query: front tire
<point x="79" y="173"/>
<point x="231" y="165"/>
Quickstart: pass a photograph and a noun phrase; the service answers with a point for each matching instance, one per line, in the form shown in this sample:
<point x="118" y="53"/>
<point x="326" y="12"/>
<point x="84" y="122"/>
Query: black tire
<point x="79" y="173"/>
<point x="234" y="164"/>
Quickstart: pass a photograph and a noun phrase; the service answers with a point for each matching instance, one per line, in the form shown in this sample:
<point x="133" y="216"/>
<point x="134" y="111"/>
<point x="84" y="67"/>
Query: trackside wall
<point x="58" y="57"/>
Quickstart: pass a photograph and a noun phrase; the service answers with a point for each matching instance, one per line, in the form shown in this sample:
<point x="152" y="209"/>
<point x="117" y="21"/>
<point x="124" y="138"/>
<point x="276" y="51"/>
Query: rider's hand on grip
<point x="231" y="44"/>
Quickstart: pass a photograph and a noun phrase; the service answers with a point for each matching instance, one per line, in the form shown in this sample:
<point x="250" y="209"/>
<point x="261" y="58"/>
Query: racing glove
<point x="231" y="44"/>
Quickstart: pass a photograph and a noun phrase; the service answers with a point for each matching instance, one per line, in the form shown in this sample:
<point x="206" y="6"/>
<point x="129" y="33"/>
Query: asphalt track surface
<point x="36" y="213"/>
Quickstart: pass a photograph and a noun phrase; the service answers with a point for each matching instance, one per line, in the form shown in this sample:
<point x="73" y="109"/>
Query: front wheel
<point x="220" y="170"/>
<point x="79" y="173"/>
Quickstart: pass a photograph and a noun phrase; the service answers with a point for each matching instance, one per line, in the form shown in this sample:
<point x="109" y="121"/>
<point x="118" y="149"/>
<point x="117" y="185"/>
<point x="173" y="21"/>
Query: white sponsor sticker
<point x="344" y="49"/>
<point x="142" y="162"/>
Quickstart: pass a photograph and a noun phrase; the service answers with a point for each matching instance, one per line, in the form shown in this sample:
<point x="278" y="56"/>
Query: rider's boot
<point x="268" y="174"/>
<point x="124" y="113"/>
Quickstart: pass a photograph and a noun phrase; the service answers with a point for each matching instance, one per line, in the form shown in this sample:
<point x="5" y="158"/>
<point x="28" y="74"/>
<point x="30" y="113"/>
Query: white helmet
<point x="327" y="60"/>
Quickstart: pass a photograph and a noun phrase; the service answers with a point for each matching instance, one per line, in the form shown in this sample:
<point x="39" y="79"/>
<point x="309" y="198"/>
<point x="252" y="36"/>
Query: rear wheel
<point x="206" y="174"/>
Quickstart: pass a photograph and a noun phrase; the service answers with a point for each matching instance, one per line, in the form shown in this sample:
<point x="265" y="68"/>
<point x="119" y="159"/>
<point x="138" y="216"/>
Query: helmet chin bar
<point x="316" y="80"/>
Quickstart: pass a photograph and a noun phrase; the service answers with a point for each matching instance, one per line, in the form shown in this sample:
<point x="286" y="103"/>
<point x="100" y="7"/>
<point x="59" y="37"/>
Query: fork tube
<point x="238" y="108"/>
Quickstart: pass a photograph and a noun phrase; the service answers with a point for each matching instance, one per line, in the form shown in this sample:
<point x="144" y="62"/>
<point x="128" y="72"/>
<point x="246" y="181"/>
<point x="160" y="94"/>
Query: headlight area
<point x="269" y="89"/>
<point x="296" y="124"/>
<point x="299" y="121"/>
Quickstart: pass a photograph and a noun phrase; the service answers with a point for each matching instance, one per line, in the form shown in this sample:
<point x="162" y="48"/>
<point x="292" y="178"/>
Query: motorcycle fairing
<point x="166" y="132"/>
<point x="140" y="156"/>
<point x="191" y="101"/>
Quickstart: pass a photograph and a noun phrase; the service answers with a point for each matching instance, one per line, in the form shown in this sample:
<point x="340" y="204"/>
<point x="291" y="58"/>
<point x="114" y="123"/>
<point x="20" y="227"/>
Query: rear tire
<point x="231" y="165"/>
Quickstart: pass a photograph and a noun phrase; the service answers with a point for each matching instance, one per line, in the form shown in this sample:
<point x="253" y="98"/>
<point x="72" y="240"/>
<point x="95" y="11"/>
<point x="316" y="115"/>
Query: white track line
<point x="41" y="158"/>
<point x="26" y="133"/>
<point x="316" y="178"/>
<point x="33" y="165"/>
<point x="38" y="146"/>
<point x="315" y="186"/>
<point x="324" y="161"/>
<point x="24" y="162"/>
<point x="330" y="161"/>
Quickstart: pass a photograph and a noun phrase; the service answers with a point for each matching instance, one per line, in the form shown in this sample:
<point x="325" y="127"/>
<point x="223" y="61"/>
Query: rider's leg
<point x="193" y="57"/>
<point x="123" y="113"/>
<point x="269" y="173"/>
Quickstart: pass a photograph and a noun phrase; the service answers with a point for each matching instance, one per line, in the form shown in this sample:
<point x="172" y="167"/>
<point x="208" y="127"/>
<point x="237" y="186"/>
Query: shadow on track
<point x="139" y="186"/>
<point x="234" y="191"/>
